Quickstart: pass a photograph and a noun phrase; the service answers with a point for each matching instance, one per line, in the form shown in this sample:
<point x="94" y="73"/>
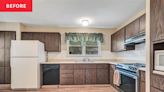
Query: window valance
<point x="91" y="37"/>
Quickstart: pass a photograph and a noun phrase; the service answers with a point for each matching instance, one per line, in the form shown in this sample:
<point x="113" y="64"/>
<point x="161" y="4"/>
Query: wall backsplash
<point x="138" y="54"/>
<point x="105" y="55"/>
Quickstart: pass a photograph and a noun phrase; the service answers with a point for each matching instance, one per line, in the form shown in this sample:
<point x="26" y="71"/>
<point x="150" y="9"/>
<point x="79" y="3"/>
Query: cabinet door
<point x="7" y="57"/>
<point x="2" y="46"/>
<point x="66" y="77"/>
<point x="79" y="76"/>
<point x="142" y="87"/>
<point x="156" y="22"/>
<point x="2" y="57"/>
<point x="38" y="36"/>
<point x="121" y="40"/>
<point x="7" y="75"/>
<point x="26" y="36"/>
<point x="8" y="37"/>
<point x="112" y="69"/>
<point x="2" y="75"/>
<point x="114" y="42"/>
<point x="53" y="42"/>
<point x="142" y="23"/>
<point x="118" y="40"/>
<point x="91" y="76"/>
<point x="102" y="76"/>
<point x="132" y="29"/>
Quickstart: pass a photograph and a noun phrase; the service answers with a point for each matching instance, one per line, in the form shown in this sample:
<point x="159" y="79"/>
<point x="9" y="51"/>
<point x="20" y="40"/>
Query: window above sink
<point x="83" y="44"/>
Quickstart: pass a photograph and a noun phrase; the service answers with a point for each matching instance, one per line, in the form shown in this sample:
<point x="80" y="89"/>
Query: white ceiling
<point x="66" y="13"/>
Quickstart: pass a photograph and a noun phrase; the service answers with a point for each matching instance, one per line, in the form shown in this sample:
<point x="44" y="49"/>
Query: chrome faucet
<point x="86" y="59"/>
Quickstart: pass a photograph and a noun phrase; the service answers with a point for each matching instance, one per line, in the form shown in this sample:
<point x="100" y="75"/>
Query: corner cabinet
<point x="52" y="41"/>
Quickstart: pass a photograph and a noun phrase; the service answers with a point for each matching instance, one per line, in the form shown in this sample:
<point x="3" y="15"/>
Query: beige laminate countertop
<point x="142" y="69"/>
<point x="81" y="62"/>
<point x="87" y="62"/>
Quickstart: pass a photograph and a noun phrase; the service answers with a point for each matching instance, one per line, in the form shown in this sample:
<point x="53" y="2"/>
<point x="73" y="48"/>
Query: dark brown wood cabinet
<point x="5" y="45"/>
<point x="118" y="40"/>
<point x="27" y="36"/>
<point x="111" y="72"/>
<point x="66" y="74"/>
<point x="91" y="76"/>
<point x="132" y="29"/>
<point x="102" y="76"/>
<point x="142" y="85"/>
<point x="156" y="19"/>
<point x="156" y="42"/>
<point x="52" y="40"/>
<point x="2" y="75"/>
<point x="142" y="23"/>
<point x="79" y="74"/>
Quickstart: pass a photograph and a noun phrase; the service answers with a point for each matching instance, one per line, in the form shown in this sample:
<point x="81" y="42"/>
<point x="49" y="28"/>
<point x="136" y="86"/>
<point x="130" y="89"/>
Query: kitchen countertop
<point x="81" y="62"/>
<point x="105" y="61"/>
<point x="142" y="69"/>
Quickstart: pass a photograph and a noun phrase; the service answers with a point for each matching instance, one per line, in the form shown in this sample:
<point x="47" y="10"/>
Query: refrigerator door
<point x="25" y="73"/>
<point x="27" y="48"/>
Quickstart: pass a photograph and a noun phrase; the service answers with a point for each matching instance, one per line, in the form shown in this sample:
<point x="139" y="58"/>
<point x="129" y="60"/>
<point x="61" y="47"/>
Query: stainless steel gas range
<point x="129" y="76"/>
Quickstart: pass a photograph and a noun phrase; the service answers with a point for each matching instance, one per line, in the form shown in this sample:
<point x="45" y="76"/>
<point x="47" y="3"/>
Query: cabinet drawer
<point x="66" y="71"/>
<point x="66" y="66"/>
<point x="66" y="76"/>
<point x="80" y="66"/>
<point x="102" y="66"/>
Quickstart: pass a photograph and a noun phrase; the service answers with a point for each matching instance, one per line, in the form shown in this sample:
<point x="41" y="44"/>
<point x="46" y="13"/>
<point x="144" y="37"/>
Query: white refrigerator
<point x="26" y="57"/>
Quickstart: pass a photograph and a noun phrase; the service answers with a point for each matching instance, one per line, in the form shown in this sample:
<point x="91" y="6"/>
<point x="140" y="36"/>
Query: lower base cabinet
<point x="142" y="85"/>
<point x="79" y="77"/>
<point x="91" y="76"/>
<point x="79" y="74"/>
<point x="102" y="76"/>
<point x="2" y="76"/>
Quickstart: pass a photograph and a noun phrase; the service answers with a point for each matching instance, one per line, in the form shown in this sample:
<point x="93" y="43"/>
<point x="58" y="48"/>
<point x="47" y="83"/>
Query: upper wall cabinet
<point x="136" y="27"/>
<point x="142" y="24"/>
<point x="52" y="41"/>
<point x="132" y="29"/>
<point x="118" y="39"/>
<point x="118" y="42"/>
<point x="157" y="20"/>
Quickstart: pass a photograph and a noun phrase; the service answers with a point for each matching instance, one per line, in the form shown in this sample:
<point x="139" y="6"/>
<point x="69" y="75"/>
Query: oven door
<point x="129" y="81"/>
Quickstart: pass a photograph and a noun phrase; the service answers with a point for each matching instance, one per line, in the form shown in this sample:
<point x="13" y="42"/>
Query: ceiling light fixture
<point x="85" y="22"/>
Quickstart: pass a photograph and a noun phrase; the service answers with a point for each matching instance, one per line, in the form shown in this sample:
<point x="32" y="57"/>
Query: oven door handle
<point x="128" y="74"/>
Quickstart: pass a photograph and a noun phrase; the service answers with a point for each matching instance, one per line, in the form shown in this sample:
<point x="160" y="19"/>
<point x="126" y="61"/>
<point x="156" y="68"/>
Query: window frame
<point x="84" y="54"/>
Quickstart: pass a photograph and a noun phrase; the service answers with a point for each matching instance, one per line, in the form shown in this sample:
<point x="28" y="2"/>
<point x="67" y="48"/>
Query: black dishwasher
<point x="51" y="74"/>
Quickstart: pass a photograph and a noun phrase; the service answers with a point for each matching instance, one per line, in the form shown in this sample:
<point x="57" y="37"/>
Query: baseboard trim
<point x="5" y="86"/>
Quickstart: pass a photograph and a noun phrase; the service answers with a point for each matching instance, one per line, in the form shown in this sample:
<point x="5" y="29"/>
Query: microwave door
<point x="159" y="61"/>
